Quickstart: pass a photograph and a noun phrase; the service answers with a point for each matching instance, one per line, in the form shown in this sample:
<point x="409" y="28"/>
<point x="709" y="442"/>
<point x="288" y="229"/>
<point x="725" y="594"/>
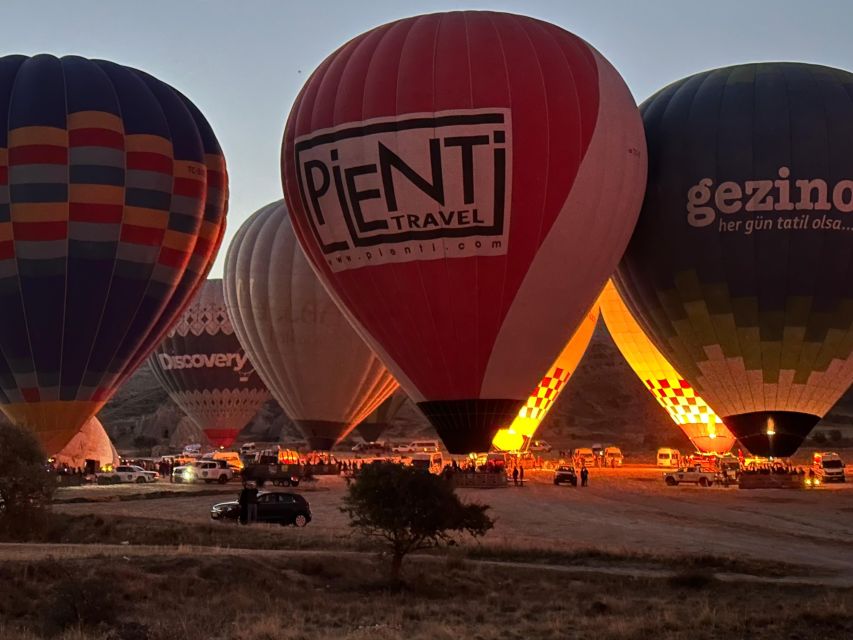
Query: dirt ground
<point x="627" y="510"/>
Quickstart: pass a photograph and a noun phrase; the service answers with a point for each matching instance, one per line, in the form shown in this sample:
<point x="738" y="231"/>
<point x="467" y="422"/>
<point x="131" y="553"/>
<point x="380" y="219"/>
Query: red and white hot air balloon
<point x="464" y="183"/>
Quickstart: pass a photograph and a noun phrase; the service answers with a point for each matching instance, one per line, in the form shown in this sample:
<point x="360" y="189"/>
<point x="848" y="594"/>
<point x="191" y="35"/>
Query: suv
<point x="565" y="474"/>
<point x="540" y="446"/>
<point x="206" y="470"/>
<point x="273" y="507"/>
<point x="694" y="476"/>
<point x="419" y="446"/>
<point x="371" y="447"/>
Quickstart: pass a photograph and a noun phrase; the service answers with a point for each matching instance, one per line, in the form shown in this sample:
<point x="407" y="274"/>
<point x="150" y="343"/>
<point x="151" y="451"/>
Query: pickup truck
<point x="126" y="473"/>
<point x="203" y="470"/>
<point x="691" y="476"/>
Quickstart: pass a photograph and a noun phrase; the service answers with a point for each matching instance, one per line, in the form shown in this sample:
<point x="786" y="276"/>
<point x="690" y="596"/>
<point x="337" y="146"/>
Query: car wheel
<point x="223" y="479"/>
<point x="140" y="481"/>
<point x="703" y="482"/>
<point x="300" y="520"/>
<point x="670" y="481"/>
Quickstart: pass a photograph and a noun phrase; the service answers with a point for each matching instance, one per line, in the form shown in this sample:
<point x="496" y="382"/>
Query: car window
<point x="285" y="499"/>
<point x="124" y="469"/>
<point x="267" y="498"/>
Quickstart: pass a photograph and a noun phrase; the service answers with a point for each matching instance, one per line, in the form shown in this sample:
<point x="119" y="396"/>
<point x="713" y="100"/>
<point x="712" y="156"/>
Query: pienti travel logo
<point x="412" y="187"/>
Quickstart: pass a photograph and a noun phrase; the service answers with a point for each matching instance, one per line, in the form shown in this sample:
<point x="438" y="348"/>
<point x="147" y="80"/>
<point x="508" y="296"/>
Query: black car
<point x="566" y="474"/>
<point x="274" y="507"/>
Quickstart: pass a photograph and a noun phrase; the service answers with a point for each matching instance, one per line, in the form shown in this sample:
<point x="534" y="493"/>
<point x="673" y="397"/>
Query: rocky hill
<point x="604" y="402"/>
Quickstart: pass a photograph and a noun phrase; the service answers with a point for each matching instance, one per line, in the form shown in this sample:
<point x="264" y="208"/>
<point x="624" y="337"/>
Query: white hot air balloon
<point x="90" y="446"/>
<point x="319" y="370"/>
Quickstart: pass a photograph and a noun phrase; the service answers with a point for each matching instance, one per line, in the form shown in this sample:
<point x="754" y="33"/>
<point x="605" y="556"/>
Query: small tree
<point x="410" y="509"/>
<point x="26" y="486"/>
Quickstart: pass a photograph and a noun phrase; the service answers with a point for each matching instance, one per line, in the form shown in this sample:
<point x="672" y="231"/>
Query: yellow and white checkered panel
<point x="542" y="399"/>
<point x="673" y="393"/>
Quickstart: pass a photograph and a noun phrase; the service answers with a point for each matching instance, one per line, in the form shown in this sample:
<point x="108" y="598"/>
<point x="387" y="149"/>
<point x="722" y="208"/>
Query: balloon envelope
<point x="377" y="422"/>
<point x="319" y="370"/>
<point x="205" y="369"/>
<point x="741" y="266"/>
<point x="464" y="183"/>
<point x="686" y="408"/>
<point x="91" y="443"/>
<point x="539" y="403"/>
<point x="111" y="210"/>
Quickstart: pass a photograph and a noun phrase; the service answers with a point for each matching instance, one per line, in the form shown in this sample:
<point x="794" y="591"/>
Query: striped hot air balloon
<point x="741" y="266"/>
<point x="686" y="408"/>
<point x="205" y="369"/>
<point x="319" y="370"/>
<point x="519" y="434"/>
<point x="112" y="207"/>
<point x="464" y="183"/>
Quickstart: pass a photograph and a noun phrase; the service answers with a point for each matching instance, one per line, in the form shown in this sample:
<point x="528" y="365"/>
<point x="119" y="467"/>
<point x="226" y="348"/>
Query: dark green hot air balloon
<point x="741" y="265"/>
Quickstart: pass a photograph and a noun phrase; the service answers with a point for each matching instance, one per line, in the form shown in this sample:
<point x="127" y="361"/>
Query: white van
<point x="432" y="462"/>
<point x="828" y="467"/>
<point x="585" y="455"/>
<point x="668" y="457"/>
<point x="419" y="446"/>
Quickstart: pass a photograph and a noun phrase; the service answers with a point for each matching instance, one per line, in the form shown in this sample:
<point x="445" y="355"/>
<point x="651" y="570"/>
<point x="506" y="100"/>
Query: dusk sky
<point x="244" y="62"/>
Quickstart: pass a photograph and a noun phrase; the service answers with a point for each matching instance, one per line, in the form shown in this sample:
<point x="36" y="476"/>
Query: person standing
<point x="584" y="476"/>
<point x="515" y="476"/>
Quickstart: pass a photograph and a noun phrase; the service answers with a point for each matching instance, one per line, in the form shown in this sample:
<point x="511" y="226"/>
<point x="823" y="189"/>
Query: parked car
<point x="693" y="476"/>
<point x="418" y="446"/>
<point x="273" y="507"/>
<point x="565" y="474"/>
<point x="127" y="473"/>
<point x="378" y="447"/>
<point x="540" y="446"/>
<point x="203" y="471"/>
<point x="613" y="457"/>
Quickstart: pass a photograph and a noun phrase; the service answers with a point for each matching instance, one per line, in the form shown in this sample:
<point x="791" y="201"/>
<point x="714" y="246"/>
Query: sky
<point x="242" y="62"/>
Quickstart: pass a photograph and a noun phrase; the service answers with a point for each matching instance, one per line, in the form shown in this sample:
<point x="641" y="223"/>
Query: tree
<point x="410" y="510"/>
<point x="26" y="486"/>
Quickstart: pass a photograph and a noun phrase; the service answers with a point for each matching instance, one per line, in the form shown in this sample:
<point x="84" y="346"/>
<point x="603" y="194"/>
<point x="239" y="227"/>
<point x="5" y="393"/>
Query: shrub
<point x="26" y="485"/>
<point x="410" y="510"/>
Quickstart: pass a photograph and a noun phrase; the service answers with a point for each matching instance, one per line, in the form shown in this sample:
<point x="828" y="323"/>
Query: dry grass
<point x="280" y="598"/>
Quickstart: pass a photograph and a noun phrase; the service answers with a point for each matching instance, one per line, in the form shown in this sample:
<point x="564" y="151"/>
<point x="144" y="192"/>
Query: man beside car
<point x="248" y="501"/>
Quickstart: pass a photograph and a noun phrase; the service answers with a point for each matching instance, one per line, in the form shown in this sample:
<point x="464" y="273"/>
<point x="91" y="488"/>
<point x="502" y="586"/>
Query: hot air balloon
<point x="317" y="368"/>
<point x="741" y="266"/>
<point x="90" y="449"/>
<point x="111" y="211"/>
<point x="464" y="183"/>
<point x="205" y="369"/>
<point x="377" y="422"/>
<point x="519" y="434"/>
<point x="686" y="408"/>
